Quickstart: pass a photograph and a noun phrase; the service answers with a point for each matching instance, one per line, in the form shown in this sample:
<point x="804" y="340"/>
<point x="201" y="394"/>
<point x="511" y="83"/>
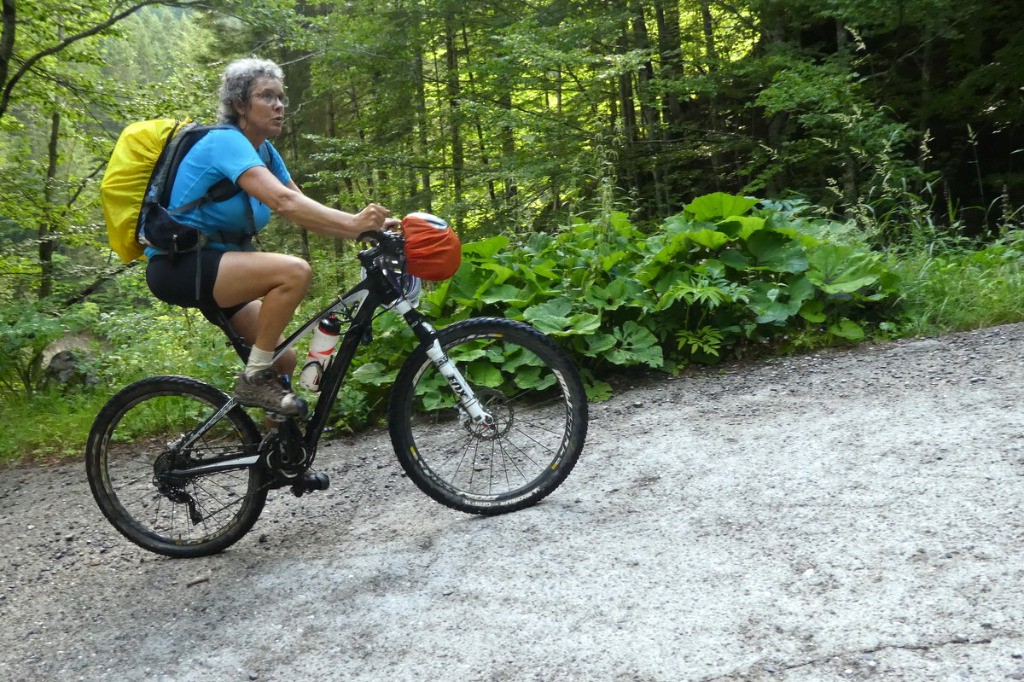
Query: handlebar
<point x="387" y="249"/>
<point x="371" y="236"/>
<point x="384" y="262"/>
<point x="391" y="242"/>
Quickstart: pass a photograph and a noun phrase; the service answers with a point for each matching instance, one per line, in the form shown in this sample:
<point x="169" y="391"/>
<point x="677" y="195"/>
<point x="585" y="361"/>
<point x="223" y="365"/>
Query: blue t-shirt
<point x="222" y="153"/>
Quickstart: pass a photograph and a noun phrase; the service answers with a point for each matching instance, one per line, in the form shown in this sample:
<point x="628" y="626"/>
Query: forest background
<point x="653" y="182"/>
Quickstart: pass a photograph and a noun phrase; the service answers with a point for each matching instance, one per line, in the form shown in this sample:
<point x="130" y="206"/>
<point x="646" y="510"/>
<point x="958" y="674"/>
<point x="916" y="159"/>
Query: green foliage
<point x="955" y="287"/>
<point x="510" y="119"/>
<point x="163" y="339"/>
<point x="26" y="333"/>
<point x="709" y="284"/>
<point x="775" y="279"/>
<point x="60" y="127"/>
<point x="49" y="424"/>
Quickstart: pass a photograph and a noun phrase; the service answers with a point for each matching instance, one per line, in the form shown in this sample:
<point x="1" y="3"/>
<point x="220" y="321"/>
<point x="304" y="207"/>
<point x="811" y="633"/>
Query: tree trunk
<point x="48" y="224"/>
<point x="651" y="121"/>
<point x="508" y="150"/>
<point x="332" y="132"/>
<point x="671" y="58"/>
<point x="711" y="54"/>
<point x="923" y="107"/>
<point x="293" y="142"/>
<point x="850" y="182"/>
<point x="371" y="186"/>
<point x="485" y="161"/>
<point x="423" y="133"/>
<point x="8" y="26"/>
<point x="453" y="92"/>
<point x="629" y="133"/>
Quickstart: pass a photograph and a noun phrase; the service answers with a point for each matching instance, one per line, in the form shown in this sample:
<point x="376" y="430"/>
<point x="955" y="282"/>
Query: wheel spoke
<point x="133" y="449"/>
<point x="480" y="468"/>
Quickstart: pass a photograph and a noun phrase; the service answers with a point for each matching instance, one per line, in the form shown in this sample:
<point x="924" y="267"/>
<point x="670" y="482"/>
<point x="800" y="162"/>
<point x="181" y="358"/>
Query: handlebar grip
<point x="373" y="236"/>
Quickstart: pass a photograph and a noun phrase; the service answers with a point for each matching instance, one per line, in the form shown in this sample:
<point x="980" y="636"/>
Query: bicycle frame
<point x="358" y="306"/>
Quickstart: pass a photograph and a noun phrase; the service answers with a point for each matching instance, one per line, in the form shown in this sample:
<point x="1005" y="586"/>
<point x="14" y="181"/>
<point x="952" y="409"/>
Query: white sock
<point x="259" y="360"/>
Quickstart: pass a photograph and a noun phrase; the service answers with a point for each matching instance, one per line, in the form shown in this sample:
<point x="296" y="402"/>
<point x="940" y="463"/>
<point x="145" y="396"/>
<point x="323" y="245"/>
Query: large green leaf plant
<point x="728" y="274"/>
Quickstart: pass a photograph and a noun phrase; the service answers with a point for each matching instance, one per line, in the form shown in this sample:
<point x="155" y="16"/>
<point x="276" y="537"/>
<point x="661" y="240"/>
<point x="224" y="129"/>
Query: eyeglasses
<point x="268" y="97"/>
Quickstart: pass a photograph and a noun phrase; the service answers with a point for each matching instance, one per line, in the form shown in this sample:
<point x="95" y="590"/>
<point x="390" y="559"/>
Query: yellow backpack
<point x="138" y="180"/>
<point x="130" y="171"/>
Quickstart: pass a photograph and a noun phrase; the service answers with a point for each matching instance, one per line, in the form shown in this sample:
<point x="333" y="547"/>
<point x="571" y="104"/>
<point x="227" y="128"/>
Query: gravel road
<point x="844" y="515"/>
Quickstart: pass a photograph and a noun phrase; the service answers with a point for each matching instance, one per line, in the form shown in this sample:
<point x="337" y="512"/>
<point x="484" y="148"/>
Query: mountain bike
<point x="486" y="416"/>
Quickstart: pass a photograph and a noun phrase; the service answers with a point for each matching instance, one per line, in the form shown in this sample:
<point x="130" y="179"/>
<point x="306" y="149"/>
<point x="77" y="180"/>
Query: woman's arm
<point x="289" y="202"/>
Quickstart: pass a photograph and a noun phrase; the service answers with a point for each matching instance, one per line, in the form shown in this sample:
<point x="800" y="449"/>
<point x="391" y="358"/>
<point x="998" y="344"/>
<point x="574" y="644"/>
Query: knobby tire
<point x="134" y="439"/>
<point x="531" y="388"/>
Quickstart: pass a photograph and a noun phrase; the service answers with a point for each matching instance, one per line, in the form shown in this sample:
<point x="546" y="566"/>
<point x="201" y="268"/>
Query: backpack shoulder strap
<point x="182" y="143"/>
<point x="222" y="190"/>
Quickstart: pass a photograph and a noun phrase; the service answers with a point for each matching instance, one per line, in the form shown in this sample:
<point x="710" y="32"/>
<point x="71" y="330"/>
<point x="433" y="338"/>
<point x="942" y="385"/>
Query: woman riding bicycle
<point x="257" y="293"/>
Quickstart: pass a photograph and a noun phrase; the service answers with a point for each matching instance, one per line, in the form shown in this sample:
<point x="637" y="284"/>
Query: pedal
<point x="302" y="413"/>
<point x="309" y="482"/>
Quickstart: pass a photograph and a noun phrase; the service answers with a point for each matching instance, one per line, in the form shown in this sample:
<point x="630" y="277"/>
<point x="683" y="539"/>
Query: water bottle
<point x="325" y="338"/>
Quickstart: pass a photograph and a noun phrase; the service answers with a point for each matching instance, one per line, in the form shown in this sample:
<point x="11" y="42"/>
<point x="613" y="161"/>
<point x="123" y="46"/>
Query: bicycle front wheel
<point x="529" y="387"/>
<point x="142" y="436"/>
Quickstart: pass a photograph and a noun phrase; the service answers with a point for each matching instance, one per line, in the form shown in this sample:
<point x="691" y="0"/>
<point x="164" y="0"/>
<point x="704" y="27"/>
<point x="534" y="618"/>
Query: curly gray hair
<point x="237" y="82"/>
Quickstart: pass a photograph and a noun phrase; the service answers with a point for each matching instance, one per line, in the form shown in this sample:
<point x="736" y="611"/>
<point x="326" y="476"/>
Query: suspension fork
<point x="428" y="335"/>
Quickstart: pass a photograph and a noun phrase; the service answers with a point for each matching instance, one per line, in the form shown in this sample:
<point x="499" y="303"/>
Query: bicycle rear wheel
<point x="526" y="383"/>
<point x="139" y="438"/>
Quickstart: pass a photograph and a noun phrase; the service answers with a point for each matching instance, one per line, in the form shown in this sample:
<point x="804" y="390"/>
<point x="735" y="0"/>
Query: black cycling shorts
<point x="174" y="281"/>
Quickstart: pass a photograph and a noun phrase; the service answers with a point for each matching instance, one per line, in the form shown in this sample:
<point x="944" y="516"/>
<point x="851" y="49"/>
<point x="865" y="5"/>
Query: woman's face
<point x="263" y="113"/>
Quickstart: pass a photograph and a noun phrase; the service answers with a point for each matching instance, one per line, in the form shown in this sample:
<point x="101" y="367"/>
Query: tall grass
<point x="954" y="287"/>
<point x="953" y="278"/>
<point x="47" y="426"/>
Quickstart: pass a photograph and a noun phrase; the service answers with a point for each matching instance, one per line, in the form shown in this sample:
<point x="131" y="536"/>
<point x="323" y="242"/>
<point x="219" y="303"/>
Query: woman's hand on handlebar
<point x="373" y="218"/>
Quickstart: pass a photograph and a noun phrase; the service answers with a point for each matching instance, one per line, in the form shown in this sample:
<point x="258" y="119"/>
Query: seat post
<point x="237" y="342"/>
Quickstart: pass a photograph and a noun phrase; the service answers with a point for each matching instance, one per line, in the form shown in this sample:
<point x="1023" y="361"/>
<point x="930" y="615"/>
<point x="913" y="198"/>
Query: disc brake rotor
<point x="502" y="415"/>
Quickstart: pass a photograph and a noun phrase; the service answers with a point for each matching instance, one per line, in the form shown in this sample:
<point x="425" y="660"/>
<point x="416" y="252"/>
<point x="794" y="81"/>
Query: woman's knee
<point x="297" y="272"/>
<point x="244" y="276"/>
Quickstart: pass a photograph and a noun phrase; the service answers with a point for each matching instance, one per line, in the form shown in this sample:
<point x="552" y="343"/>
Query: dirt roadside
<point x="843" y="515"/>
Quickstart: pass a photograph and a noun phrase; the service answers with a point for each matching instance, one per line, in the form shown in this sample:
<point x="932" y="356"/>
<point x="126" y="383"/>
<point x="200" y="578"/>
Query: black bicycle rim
<point x="533" y="393"/>
<point x="136" y="444"/>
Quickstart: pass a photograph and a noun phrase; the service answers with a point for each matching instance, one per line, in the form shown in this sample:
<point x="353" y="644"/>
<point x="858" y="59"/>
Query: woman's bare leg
<point x="246" y="324"/>
<point x="280" y="280"/>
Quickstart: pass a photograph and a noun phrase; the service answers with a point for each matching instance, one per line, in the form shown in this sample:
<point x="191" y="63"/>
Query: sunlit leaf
<point x="719" y="205"/>
<point x="838" y="269"/>
<point x="374" y="373"/>
<point x="709" y="238"/>
<point x="636" y="345"/>
<point x="741" y="226"/>
<point x="621" y="292"/>
<point x="556" y="317"/>
<point x="485" y="248"/>
<point x="813" y="311"/>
